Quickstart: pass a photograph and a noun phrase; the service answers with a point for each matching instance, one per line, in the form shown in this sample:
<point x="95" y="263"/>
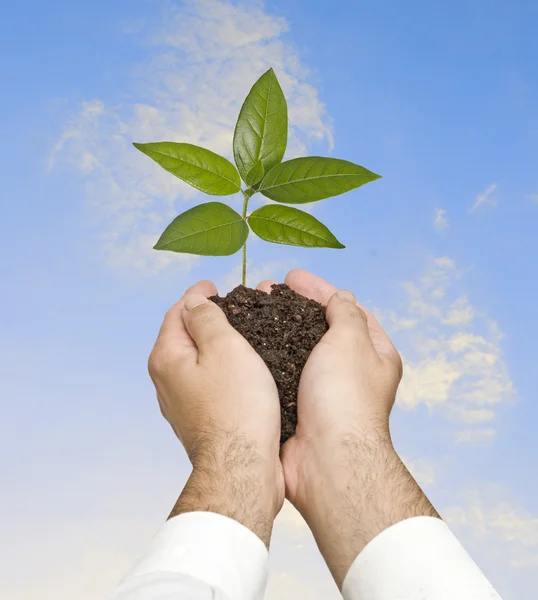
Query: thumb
<point x="348" y="323"/>
<point x="204" y="320"/>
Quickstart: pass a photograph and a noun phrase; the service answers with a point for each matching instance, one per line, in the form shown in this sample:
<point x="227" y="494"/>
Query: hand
<point x="348" y="385"/>
<point x="341" y="470"/>
<point x="222" y="403"/>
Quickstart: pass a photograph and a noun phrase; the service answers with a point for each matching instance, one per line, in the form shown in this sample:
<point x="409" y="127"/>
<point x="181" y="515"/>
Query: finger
<point x="310" y="285"/>
<point x="173" y="328"/>
<point x="205" y="322"/>
<point x="347" y="321"/>
<point x="380" y="339"/>
<point x="265" y="286"/>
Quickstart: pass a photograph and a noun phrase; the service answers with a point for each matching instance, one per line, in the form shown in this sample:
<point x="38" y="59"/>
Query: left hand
<point x="222" y="403"/>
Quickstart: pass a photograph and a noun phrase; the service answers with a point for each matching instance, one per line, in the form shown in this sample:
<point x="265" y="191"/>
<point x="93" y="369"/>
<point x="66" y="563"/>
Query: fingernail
<point x="346" y="295"/>
<point x="194" y="300"/>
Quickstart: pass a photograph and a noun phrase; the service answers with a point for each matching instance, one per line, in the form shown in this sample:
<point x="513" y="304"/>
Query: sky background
<point x="440" y="98"/>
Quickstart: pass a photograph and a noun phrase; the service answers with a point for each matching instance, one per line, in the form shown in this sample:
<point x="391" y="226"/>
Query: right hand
<point x="347" y="388"/>
<point x="348" y="385"/>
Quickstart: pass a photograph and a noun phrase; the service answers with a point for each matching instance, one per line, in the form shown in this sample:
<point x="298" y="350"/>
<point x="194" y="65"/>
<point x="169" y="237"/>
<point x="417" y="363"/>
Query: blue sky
<point x="441" y="99"/>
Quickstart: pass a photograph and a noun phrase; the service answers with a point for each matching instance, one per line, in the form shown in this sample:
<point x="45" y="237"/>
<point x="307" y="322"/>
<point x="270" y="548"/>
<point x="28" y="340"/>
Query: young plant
<point x="259" y="143"/>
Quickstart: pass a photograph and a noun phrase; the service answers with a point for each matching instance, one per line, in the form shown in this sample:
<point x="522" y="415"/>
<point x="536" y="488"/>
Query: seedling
<point x="259" y="143"/>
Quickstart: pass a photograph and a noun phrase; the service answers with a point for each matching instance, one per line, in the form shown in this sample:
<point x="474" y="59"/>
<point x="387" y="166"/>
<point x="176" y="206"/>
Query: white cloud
<point x="134" y="255"/>
<point x="429" y="381"/>
<point x="483" y="519"/>
<point x="430" y="287"/>
<point x="440" y="220"/>
<point x="423" y="470"/>
<point x="444" y="262"/>
<point x="201" y="62"/>
<point x="486" y="197"/>
<point x="514" y="526"/>
<point x="475" y="436"/>
<point x="460" y="312"/>
<point x="533" y="198"/>
<point x="462" y="341"/>
<point x="393" y="321"/>
<point x="452" y="353"/>
<point x="473" y="416"/>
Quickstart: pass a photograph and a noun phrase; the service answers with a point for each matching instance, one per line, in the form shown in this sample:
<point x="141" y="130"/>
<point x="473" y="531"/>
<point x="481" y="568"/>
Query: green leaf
<point x="255" y="174"/>
<point x="313" y="178"/>
<point x="210" y="229"/>
<point x="287" y="225"/>
<point x="201" y="168"/>
<point x="261" y="133"/>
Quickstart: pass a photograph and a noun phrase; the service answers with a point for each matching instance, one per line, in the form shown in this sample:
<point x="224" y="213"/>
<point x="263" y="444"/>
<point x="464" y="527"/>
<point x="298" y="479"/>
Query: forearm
<point x="216" y="537"/>
<point x="361" y="493"/>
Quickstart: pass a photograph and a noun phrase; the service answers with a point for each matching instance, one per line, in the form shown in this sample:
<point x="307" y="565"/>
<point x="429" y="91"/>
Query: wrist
<point x="353" y="489"/>
<point x="236" y="482"/>
<point x="333" y="463"/>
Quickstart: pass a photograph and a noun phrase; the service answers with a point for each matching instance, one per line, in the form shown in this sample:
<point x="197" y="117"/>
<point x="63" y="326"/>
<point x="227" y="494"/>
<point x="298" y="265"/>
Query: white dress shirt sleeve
<point x="416" y="559"/>
<point x="199" y="556"/>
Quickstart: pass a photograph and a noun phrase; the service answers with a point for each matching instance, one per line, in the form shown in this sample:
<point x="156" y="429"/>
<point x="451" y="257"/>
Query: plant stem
<point x="246" y="197"/>
<point x="244" y="275"/>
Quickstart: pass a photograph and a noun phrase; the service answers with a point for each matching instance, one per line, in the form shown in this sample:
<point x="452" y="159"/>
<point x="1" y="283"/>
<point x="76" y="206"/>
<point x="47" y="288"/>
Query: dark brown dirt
<point x="283" y="327"/>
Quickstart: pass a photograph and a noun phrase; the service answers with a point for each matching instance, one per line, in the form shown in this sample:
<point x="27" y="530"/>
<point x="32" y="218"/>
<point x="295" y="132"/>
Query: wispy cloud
<point x="396" y="322"/>
<point x="486" y="197"/>
<point x="422" y="469"/>
<point x="201" y="61"/>
<point x="440" y="220"/>
<point x="460" y="312"/>
<point x="533" y="198"/>
<point x="484" y="518"/>
<point x="453" y="358"/>
<point x="475" y="436"/>
<point x="472" y="416"/>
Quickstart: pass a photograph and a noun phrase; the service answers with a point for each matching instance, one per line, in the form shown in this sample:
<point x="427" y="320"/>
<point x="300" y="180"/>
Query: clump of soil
<point x="283" y="327"/>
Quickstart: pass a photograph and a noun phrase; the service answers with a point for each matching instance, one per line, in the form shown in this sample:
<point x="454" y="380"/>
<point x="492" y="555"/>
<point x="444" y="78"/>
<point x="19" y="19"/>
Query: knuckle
<point x="171" y="311"/>
<point x="356" y="314"/>
<point x="203" y="314"/>
<point x="155" y="364"/>
<point x="361" y="314"/>
<point x="161" y="360"/>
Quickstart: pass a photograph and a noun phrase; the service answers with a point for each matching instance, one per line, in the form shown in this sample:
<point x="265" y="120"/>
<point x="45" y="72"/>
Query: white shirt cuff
<point x="211" y="548"/>
<point x="418" y="558"/>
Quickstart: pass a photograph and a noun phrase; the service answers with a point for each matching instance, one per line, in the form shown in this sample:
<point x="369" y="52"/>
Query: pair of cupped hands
<point x="222" y="403"/>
